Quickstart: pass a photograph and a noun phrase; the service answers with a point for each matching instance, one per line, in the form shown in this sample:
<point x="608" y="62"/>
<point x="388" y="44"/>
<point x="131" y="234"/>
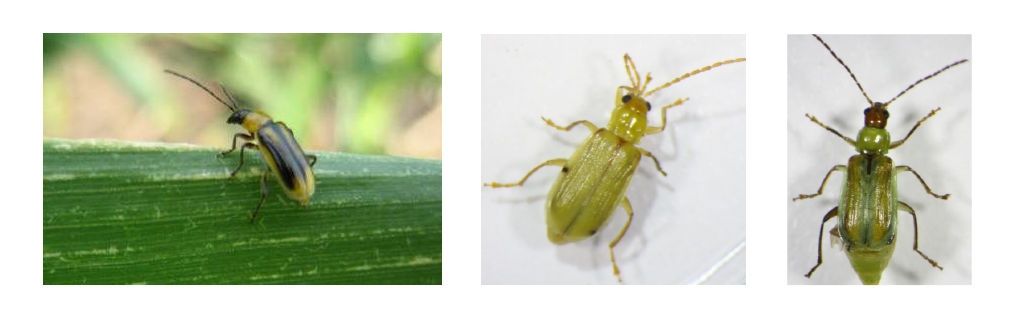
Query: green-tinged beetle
<point x="867" y="211"/>
<point x="276" y="142"/>
<point x="592" y="182"/>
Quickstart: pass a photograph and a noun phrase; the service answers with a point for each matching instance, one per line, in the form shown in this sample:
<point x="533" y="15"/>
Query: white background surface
<point x="940" y="150"/>
<point x="687" y="226"/>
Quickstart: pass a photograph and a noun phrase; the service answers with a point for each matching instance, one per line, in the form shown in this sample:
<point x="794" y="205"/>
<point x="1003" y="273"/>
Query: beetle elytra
<point x="592" y="182"/>
<point x="276" y="142"/>
<point x="867" y="210"/>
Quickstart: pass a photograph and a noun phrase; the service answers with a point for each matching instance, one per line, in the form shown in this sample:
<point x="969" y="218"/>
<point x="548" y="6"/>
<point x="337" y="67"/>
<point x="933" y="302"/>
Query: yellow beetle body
<point x="593" y="181"/>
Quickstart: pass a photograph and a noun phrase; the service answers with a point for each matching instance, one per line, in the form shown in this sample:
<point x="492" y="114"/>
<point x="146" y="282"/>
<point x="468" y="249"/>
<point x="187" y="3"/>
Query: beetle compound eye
<point x="648" y="105"/>
<point x="626" y="98"/>
<point x="866" y="111"/>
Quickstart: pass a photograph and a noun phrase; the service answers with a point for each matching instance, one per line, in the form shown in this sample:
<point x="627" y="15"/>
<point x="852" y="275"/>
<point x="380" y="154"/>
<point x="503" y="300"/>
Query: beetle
<point x="276" y="142"/>
<point x="867" y="209"/>
<point x="593" y="180"/>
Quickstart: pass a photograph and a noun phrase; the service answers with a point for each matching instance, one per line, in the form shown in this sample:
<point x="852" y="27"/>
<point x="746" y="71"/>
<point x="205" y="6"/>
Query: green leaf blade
<point x="122" y="213"/>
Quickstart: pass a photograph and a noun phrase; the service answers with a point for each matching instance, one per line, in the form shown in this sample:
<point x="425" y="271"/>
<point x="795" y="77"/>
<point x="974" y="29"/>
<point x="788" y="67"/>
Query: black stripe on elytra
<point x="291" y="163"/>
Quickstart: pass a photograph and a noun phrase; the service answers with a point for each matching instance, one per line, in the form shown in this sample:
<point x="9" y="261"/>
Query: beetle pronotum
<point x="275" y="141"/>
<point x="592" y="182"/>
<point x="867" y="209"/>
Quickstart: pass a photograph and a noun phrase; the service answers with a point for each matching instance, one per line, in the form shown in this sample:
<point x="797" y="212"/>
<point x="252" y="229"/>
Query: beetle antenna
<point x="233" y="106"/>
<point x="849" y="70"/>
<point x="927" y="77"/>
<point x="692" y="73"/>
<point x="228" y="93"/>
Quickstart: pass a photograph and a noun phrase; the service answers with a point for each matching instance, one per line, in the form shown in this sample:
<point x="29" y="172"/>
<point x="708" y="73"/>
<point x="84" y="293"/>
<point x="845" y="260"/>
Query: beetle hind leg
<point x="627" y="207"/>
<point x="263" y="198"/>
<point x="915" y="244"/>
<point x="820" y="237"/>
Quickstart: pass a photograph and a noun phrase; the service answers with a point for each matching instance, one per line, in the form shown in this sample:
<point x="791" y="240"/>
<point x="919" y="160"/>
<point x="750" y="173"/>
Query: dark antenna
<point x="850" y="71"/>
<point x="228" y="93"/>
<point x="927" y="77"/>
<point x="233" y="106"/>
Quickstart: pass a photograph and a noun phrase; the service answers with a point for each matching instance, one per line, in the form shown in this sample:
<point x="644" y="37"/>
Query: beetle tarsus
<point x="263" y="198"/>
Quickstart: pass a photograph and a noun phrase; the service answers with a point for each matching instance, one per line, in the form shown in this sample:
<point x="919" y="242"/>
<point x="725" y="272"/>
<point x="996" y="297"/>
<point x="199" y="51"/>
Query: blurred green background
<point x="358" y="93"/>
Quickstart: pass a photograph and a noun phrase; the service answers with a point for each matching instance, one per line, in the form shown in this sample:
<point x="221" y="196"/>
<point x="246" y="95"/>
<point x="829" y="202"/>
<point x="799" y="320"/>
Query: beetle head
<point x="876" y="116"/>
<point x="238" y="116"/>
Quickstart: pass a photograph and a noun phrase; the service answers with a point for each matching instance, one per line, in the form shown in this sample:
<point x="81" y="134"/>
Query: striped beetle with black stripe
<point x="276" y="142"/>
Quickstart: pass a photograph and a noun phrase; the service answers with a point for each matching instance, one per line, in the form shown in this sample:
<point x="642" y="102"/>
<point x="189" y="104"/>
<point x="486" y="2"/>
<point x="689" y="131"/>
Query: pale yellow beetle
<point x="593" y="181"/>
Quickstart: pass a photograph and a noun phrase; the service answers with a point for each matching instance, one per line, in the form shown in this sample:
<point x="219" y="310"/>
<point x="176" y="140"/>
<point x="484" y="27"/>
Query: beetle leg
<point x="263" y="197"/>
<point x="234" y="141"/>
<point x="820" y="237"/>
<point x="241" y="157"/>
<point x="555" y="162"/>
<point x="825" y="181"/>
<point x="654" y="160"/>
<point x="832" y="130"/>
<point x="627" y="207"/>
<point x="312" y="160"/>
<point x="915" y="245"/>
<point x="656" y="129"/>
<point x="902" y="141"/>
<point x="906" y="168"/>
<point x="589" y="125"/>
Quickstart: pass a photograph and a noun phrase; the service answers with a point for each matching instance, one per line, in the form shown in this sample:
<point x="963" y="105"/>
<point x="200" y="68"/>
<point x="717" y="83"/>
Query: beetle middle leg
<point x="263" y="198"/>
<point x="820" y="238"/>
<point x="234" y="142"/>
<point x="586" y="123"/>
<point x="555" y="162"/>
<point x="241" y="157"/>
<point x="627" y="207"/>
<point x="915" y="223"/>
<point x="903" y="168"/>
<point x="824" y="182"/>
<point x="654" y="160"/>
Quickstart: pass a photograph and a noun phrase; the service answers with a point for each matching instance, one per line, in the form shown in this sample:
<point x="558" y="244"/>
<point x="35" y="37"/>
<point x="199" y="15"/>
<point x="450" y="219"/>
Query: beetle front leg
<point x="820" y="238"/>
<point x="903" y="168"/>
<point x="627" y="207"/>
<point x="832" y="130"/>
<point x="234" y="141"/>
<point x="902" y="141"/>
<point x="555" y="162"/>
<point x="915" y="223"/>
<point x="263" y="198"/>
<point x="311" y="159"/>
<point x="586" y="123"/>
<point x="241" y="157"/>
<point x="654" y="160"/>
<point x="824" y="182"/>
<point x="657" y="129"/>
